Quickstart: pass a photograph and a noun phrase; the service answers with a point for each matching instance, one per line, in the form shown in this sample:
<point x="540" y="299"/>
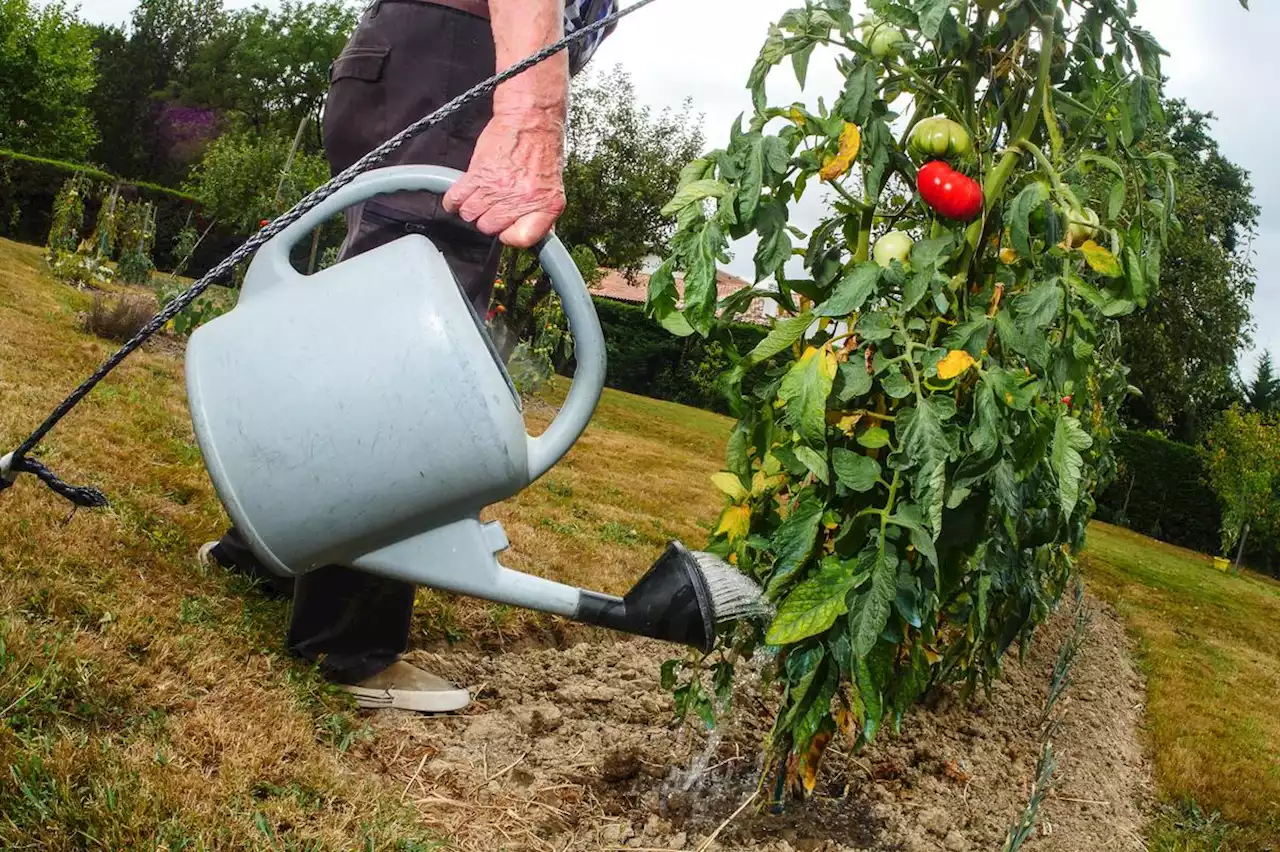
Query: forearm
<point x="522" y="28"/>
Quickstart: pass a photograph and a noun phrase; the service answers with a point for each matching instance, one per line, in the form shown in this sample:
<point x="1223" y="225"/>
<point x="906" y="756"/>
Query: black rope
<point x="93" y="498"/>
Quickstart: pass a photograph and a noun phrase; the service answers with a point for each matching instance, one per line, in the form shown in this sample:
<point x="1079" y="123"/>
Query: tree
<point x="269" y="68"/>
<point x="912" y="474"/>
<point x="46" y="75"/>
<point x="1263" y="392"/>
<point x="1184" y="348"/>
<point x="1244" y="469"/>
<point x="242" y="178"/>
<point x="146" y="131"/>
<point x="622" y="164"/>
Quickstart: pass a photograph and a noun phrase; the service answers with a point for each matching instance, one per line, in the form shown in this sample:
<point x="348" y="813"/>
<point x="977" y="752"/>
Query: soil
<point x="572" y="749"/>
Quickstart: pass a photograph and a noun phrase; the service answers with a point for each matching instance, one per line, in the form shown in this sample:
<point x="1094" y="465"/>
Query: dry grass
<point x="119" y="318"/>
<point x="1210" y="644"/>
<point x="145" y="704"/>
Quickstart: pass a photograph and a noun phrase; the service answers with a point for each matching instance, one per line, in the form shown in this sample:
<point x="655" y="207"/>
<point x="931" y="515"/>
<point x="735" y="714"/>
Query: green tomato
<point x="939" y="136"/>
<point x="1084" y="224"/>
<point x="884" y="40"/>
<point x="895" y="245"/>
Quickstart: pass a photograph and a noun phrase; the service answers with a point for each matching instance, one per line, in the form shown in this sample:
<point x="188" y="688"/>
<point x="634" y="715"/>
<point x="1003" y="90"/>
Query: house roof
<point x="614" y="285"/>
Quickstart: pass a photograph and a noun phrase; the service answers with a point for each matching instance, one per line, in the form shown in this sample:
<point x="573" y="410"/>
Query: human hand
<point x="513" y="188"/>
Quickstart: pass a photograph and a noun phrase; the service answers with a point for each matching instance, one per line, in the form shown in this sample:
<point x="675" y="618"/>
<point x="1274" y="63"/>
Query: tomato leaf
<point x="730" y="485"/>
<point x="854" y="381"/>
<point x="858" y="95"/>
<point x="1018" y="219"/>
<point x="1069" y="438"/>
<point x="805" y="390"/>
<point x="874" y="438"/>
<point x="780" y="338"/>
<point x="852" y="292"/>
<point x="693" y="192"/>
<point x="931" y="15"/>
<point x="854" y="470"/>
<point x="986" y="436"/>
<point x="895" y="384"/>
<point x="870" y="611"/>
<point x="924" y="441"/>
<point x="1137" y="281"/>
<point x="815" y="463"/>
<point x="794" y="540"/>
<point x="813" y="605"/>
<point x="1101" y="260"/>
<point x="908" y="517"/>
<point x="875" y="326"/>
<point x="971" y="336"/>
<point x="1040" y="306"/>
<point x="1015" y="390"/>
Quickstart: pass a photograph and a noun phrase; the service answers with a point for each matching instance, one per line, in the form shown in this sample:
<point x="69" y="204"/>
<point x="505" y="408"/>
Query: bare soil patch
<point x="572" y="749"/>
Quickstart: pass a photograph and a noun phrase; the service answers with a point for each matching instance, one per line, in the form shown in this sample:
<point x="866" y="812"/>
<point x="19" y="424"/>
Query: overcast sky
<point x="1222" y="61"/>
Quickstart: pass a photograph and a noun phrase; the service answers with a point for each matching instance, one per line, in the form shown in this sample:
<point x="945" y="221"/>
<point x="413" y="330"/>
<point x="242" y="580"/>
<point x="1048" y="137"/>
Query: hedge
<point x="644" y="358"/>
<point x="28" y="185"/>
<point x="1162" y="490"/>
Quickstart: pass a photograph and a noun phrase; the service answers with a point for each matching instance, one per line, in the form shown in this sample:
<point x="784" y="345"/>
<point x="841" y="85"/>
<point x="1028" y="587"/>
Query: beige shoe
<point x="402" y="686"/>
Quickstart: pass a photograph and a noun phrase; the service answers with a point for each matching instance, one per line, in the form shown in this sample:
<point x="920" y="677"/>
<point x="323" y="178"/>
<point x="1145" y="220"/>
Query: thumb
<point x="528" y="230"/>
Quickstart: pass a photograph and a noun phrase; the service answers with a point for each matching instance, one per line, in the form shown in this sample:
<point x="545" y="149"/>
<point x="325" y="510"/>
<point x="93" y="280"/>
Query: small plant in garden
<point x="912" y="475"/>
<point x="72" y="259"/>
<point x="194" y="315"/>
<point x="137" y="230"/>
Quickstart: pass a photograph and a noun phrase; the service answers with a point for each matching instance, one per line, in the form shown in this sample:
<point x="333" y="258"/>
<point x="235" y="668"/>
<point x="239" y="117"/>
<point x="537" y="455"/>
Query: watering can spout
<point x="678" y="600"/>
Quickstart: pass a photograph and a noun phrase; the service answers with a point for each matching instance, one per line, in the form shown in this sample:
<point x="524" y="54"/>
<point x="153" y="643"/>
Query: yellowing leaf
<point x="846" y="423"/>
<point x="1101" y="260"/>
<point x="796" y="115"/>
<point x="730" y="485"/>
<point x="735" y="522"/>
<point x="850" y="142"/>
<point x="762" y="483"/>
<point x="1008" y="256"/>
<point x="956" y="362"/>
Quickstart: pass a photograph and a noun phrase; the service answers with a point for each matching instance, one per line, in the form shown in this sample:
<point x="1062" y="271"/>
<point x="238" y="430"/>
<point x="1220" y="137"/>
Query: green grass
<point x="1210" y="645"/>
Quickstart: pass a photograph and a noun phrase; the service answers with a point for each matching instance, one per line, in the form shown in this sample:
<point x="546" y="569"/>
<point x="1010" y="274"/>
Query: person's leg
<point x="355" y="624"/>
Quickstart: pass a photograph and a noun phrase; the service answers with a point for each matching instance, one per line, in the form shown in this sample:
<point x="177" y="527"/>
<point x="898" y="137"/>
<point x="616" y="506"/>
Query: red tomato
<point x="947" y="191"/>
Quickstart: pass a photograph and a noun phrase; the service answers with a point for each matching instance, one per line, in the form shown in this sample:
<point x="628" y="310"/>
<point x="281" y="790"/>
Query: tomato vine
<point x="913" y="477"/>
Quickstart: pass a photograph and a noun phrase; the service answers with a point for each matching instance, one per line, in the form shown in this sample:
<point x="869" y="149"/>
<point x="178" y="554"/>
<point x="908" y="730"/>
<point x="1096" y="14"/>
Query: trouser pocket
<point x="355" y="114"/>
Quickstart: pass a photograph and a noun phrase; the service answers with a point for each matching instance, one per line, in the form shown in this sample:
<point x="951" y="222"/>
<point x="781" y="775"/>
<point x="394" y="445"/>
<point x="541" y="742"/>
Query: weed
<point x="619" y="534"/>
<point x="558" y="488"/>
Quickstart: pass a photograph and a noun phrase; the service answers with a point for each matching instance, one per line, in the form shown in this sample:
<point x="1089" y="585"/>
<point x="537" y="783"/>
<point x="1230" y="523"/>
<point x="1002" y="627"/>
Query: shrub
<point x="118" y="318"/>
<point x="1161" y="489"/>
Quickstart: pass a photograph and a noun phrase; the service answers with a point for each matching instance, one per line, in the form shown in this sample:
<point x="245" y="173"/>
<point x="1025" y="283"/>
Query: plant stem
<point x="1064" y="192"/>
<point x="1000" y="175"/>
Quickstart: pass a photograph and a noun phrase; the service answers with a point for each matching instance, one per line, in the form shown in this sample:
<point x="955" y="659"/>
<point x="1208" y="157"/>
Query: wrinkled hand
<point x="514" y="188"/>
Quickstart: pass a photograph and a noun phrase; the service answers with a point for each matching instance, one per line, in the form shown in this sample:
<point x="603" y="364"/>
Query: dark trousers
<point x="405" y="59"/>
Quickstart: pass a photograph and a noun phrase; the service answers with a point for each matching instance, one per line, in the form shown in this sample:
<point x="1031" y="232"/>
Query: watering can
<point x="361" y="416"/>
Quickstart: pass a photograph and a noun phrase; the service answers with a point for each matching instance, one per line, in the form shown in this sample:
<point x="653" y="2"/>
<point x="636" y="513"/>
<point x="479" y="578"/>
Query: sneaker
<point x="402" y="686"/>
<point x="205" y="554"/>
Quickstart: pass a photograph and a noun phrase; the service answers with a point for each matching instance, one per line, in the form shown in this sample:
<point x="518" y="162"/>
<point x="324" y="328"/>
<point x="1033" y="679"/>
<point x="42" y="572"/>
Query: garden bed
<point x="571" y="748"/>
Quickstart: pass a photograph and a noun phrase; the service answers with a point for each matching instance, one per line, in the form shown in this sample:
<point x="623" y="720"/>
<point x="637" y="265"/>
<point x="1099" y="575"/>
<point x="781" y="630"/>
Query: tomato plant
<point x="906" y="481"/>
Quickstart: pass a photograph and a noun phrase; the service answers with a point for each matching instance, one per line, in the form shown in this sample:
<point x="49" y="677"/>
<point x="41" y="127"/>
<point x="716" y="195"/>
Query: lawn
<point x="145" y="704"/>
<point x="1210" y="646"/>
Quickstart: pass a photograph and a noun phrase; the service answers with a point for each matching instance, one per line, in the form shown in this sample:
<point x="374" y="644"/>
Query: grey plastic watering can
<point x="361" y="416"/>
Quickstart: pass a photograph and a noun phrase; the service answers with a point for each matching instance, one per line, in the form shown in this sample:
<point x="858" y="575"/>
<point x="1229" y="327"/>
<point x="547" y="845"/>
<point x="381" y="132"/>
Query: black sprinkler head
<point x="671" y="602"/>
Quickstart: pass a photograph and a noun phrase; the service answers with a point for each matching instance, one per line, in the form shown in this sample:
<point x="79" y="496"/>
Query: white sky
<point x="1221" y="62"/>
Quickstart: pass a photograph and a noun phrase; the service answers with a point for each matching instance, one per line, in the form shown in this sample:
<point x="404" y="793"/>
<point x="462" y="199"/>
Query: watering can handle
<point x="588" y="340"/>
